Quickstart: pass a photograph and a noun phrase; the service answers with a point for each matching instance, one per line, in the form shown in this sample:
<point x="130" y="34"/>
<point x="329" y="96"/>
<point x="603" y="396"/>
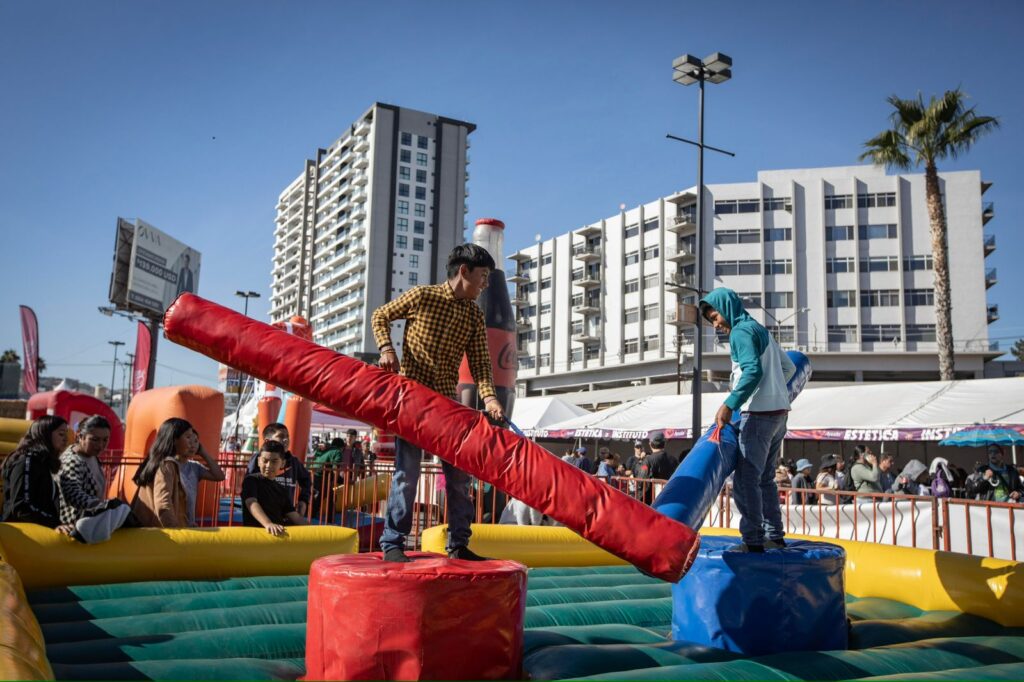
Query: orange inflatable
<point x="75" y="406"/>
<point x="202" y="406"/>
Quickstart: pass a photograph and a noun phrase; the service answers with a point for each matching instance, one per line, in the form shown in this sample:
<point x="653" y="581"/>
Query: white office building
<point x="375" y="213"/>
<point x="834" y="261"/>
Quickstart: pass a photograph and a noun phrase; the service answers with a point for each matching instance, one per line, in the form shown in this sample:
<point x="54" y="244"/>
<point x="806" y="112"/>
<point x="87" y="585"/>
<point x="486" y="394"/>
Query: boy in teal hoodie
<point x="760" y="372"/>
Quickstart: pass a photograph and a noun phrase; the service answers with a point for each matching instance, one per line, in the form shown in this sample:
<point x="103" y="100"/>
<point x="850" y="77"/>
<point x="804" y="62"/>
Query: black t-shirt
<point x="272" y="496"/>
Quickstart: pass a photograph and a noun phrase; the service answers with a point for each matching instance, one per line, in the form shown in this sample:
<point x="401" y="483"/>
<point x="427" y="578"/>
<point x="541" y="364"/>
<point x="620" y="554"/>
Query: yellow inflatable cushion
<point x="928" y="579"/>
<point x="44" y="558"/>
<point x="22" y="649"/>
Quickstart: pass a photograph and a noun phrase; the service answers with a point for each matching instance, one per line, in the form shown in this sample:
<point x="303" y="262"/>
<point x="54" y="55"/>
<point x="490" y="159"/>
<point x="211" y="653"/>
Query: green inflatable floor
<point x="607" y="623"/>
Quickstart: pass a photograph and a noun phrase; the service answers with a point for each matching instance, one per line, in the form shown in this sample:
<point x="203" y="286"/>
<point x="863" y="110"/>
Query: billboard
<point x="160" y="268"/>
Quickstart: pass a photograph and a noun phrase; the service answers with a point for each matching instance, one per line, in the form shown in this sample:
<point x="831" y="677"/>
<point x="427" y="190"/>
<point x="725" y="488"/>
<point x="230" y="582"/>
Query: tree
<point x="923" y="134"/>
<point x="10" y="355"/>
<point x="1018" y="350"/>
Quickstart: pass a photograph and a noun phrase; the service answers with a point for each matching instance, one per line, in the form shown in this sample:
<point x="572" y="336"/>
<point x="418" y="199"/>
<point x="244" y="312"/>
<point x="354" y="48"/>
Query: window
<point x="545" y="308"/>
<point x="652" y="342"/>
<point x="921" y="332"/>
<point x="631" y="230"/>
<point x="421" y="159"/>
<point x="631" y="346"/>
<point x="844" y="298"/>
<point x="632" y="257"/>
<point x="421" y="176"/>
<point x="842" y="333"/>
<point x="403" y="207"/>
<point x="403" y="173"/>
<point x="403" y="189"/>
<point x="652" y="311"/>
<point x="421" y="142"/>
<point x="421" y="192"/>
<point x="875" y="333"/>
<point x="737" y="206"/>
<point x="526" y="363"/>
<point x="577" y="299"/>
<point x="778" y="234"/>
<point x="919" y="297"/>
<point x="877" y="231"/>
<point x="414" y="278"/>
<point x="577" y="327"/>
<point x="737" y="267"/>
<point x="633" y="285"/>
<point x="421" y="210"/>
<point x="529" y="311"/>
<point x="405" y="156"/>
<point x="786" y="334"/>
<point x="577" y="274"/>
<point x="632" y="315"/>
<point x="752" y="298"/>
<point x="778" y="267"/>
<point x="544" y="360"/>
<point x="401" y="241"/>
<point x="593" y="351"/>
<point x="778" y="204"/>
<point x="545" y="283"/>
<point x="880" y="264"/>
<point x="737" y="237"/>
<point x="545" y="333"/>
<point x="546" y="260"/>
<point x="651" y="281"/>
<point x="778" y="299"/>
<point x="418" y="226"/>
<point x="417" y="244"/>
<point x="650" y="225"/>
<point x="414" y="261"/>
<point x="833" y="265"/>
<point x="838" y="233"/>
<point x="878" y="199"/>
<point x="911" y="263"/>
<point x="835" y="201"/>
<point x="528" y="288"/>
<point x="407" y="139"/>
<point x="576" y="355"/>
<point x="879" y="298"/>
<point x="402" y="224"/>
<point x="651" y="252"/>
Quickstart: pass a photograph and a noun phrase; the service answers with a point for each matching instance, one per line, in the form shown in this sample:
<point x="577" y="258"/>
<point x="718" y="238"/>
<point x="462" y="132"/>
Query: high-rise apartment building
<point x="374" y="214"/>
<point x="834" y="261"/>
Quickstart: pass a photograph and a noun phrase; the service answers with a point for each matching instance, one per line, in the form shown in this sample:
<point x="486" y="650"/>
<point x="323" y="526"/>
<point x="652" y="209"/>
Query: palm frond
<point x="947" y="108"/>
<point x="960" y="136"/>
<point x="907" y="112"/>
<point x="887" y="149"/>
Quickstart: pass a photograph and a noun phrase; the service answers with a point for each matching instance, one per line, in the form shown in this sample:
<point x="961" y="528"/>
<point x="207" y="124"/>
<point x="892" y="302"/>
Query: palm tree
<point x="924" y="134"/>
<point x="10" y="355"/>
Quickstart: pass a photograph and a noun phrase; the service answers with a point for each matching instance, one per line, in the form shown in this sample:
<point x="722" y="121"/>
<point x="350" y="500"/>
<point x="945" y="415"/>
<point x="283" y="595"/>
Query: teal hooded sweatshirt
<point x="760" y="369"/>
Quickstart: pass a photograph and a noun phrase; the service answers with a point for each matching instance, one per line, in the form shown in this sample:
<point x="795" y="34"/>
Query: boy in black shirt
<point x="266" y="503"/>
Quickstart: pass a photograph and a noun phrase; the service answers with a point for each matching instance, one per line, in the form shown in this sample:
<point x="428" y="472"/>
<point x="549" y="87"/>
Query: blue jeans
<point x="398" y="521"/>
<point x="753" y="485"/>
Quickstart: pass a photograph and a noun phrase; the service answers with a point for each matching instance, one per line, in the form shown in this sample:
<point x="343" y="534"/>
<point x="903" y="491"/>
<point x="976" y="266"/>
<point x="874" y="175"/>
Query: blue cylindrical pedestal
<point x="790" y="599"/>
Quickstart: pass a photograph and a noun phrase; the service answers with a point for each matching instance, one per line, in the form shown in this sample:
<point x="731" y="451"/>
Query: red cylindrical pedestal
<point x="430" y="619"/>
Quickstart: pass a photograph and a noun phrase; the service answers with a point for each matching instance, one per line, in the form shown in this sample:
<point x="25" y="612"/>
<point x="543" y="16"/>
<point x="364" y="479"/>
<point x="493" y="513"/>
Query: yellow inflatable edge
<point x="44" y="558"/>
<point x="927" y="579"/>
<point x="22" y="648"/>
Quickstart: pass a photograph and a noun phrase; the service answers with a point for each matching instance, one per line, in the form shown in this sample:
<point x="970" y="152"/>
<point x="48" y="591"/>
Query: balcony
<point x="990" y="278"/>
<point x="587" y="308"/>
<point x="681" y="316"/>
<point x="680" y="283"/>
<point x="523" y="350"/>
<point x="359" y="178"/>
<point x="683" y="224"/>
<point x="360" y="162"/>
<point x="361" y="146"/>
<point x="520" y="257"/>
<point x="586" y="336"/>
<point x="993" y="313"/>
<point x="517" y="278"/>
<point x="988" y="212"/>
<point x="587" y="282"/>
<point x="523" y="324"/>
<point x="521" y="301"/>
<point x="589" y="231"/>
<point x="591" y="254"/>
<point x="362" y="129"/>
<point x="990" y="244"/>
<point x="680" y="253"/>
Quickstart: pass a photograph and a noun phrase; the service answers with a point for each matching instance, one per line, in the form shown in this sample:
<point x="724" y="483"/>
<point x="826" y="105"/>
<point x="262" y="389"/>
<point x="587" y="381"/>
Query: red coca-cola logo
<point x="507" y="356"/>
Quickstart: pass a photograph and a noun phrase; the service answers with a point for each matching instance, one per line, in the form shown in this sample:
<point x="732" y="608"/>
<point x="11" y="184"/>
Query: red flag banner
<point x="140" y="365"/>
<point x="30" y="345"/>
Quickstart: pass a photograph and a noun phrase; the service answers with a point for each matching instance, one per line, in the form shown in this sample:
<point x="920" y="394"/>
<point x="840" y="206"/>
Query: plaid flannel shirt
<point x="439" y="330"/>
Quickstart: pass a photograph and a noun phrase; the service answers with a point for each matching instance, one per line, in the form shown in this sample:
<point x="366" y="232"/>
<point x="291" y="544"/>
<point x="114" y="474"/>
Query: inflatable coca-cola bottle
<point x="501" y="323"/>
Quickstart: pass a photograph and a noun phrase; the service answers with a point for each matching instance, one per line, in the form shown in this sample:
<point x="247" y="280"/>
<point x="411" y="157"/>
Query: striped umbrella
<point x="980" y="435"/>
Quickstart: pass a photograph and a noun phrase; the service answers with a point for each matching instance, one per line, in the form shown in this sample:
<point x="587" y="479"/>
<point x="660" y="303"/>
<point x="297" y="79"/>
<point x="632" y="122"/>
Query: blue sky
<point x="111" y="108"/>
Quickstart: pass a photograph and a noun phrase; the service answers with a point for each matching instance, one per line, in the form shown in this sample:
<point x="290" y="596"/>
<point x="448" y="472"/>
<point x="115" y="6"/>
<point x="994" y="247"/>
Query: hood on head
<point x="728" y="304"/>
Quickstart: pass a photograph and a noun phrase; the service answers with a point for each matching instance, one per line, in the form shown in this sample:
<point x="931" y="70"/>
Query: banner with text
<point x="161" y="269"/>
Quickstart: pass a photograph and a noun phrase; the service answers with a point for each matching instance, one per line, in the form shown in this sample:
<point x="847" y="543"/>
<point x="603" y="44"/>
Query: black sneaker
<point x="775" y="544"/>
<point x="466" y="554"/>
<point x="744" y="548"/>
<point x="396" y="555"/>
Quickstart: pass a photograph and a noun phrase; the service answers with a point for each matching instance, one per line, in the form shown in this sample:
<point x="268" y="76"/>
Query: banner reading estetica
<point x="161" y="269"/>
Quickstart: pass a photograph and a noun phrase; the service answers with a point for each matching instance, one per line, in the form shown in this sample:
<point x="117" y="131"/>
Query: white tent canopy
<point x="534" y="413"/>
<point x="927" y="411"/>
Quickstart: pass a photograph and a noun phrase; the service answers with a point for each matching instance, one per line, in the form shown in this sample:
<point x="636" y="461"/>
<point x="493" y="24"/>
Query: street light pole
<point x="716" y="68"/>
<point x="238" y="403"/>
<point x="113" y="371"/>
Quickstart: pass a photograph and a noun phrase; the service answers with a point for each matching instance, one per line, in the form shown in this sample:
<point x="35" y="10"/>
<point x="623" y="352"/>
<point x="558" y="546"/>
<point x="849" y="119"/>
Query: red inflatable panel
<point x="370" y="619"/>
<point x="461" y="436"/>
